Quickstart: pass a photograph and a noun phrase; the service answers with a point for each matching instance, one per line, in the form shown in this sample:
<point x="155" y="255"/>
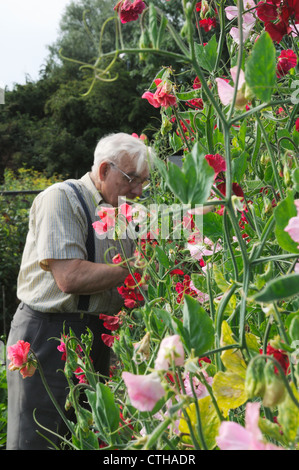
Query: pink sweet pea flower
<point x="199" y="388"/>
<point x="226" y="91"/>
<point x="171" y="349"/>
<point x="144" y="390"/>
<point x="297" y="125"/>
<point x="248" y="20"/>
<point x="293" y="226"/>
<point x="233" y="436"/>
<point x="18" y="355"/>
<point x="162" y="96"/>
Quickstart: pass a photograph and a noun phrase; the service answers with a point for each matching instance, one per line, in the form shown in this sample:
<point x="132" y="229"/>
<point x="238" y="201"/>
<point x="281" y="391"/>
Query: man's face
<point x="121" y="180"/>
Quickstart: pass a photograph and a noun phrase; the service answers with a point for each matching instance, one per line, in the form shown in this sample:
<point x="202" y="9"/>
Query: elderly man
<point x="65" y="281"/>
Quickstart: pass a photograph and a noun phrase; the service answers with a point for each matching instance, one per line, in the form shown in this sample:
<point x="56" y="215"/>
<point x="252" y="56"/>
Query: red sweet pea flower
<point x="273" y="10"/>
<point x="196" y="83"/>
<point x="110" y="322"/>
<point x="217" y="162"/>
<point x="195" y="103"/>
<point x="286" y="61"/>
<point x="267" y="11"/>
<point x="130" y="291"/>
<point x="297" y="125"/>
<point x="129" y="11"/>
<point x="108" y="340"/>
<point x="237" y="190"/>
<point x="208" y="23"/>
<point x="281" y="357"/>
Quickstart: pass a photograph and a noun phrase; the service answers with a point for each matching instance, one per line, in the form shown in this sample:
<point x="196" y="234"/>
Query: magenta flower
<point x="144" y="390"/>
<point x="293" y="226"/>
<point x="162" y="96"/>
<point x="129" y="11"/>
<point x="233" y="436"/>
<point x="171" y="349"/>
<point x="286" y="61"/>
<point x="18" y="355"/>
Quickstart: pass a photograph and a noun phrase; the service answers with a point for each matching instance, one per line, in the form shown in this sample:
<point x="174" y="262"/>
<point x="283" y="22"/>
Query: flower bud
<point x="286" y="176"/>
<point x="255" y="379"/>
<point x="275" y="389"/>
<point x="268" y="208"/>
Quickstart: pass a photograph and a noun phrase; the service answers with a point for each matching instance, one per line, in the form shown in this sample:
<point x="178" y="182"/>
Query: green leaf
<point x="280" y="288"/>
<point x="105" y="412"/>
<point x="239" y="166"/>
<point x="198" y="327"/>
<point x="162" y="257"/>
<point x="284" y="211"/>
<point x="187" y="95"/>
<point x="206" y="56"/>
<point x="153" y="29"/>
<point x="212" y="226"/>
<point x="193" y="183"/>
<point x="294" y="328"/>
<point x="260" y="68"/>
<point x="285" y="143"/>
<point x="288" y="416"/>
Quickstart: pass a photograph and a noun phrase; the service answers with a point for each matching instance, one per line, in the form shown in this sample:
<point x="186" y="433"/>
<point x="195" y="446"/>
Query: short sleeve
<point x="60" y="226"/>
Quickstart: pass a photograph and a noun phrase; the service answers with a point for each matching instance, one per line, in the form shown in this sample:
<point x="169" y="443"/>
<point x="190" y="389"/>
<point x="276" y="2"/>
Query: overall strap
<point x="84" y="299"/>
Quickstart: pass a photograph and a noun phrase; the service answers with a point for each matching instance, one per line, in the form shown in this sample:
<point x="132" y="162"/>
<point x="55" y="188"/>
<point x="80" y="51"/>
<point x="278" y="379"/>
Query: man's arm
<point x="82" y="277"/>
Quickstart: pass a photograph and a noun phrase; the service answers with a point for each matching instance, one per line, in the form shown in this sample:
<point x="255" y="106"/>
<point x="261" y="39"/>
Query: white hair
<point x="116" y="147"/>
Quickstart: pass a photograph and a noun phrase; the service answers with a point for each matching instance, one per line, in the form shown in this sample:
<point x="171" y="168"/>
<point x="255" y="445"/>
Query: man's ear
<point x="103" y="170"/>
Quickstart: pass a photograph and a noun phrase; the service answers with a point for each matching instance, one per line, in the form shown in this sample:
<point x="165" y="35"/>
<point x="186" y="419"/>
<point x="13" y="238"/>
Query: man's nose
<point x="137" y="190"/>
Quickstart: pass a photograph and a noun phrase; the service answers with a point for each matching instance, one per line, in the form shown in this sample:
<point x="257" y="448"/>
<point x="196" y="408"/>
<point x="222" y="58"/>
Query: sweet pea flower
<point x="293" y="226"/>
<point x="199" y="388"/>
<point x="297" y="125"/>
<point x="129" y="11"/>
<point x="171" y="349"/>
<point x="248" y="20"/>
<point x="162" y="96"/>
<point x="144" y="390"/>
<point x="286" y="61"/>
<point x="233" y="436"/>
<point x="18" y="355"/>
<point x="226" y="91"/>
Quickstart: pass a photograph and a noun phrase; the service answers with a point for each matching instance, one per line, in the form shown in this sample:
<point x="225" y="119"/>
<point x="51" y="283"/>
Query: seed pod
<point x="255" y="379"/>
<point x="275" y="389"/>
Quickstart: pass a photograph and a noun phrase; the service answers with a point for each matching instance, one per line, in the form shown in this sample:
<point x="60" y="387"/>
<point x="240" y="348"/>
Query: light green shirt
<point x="58" y="230"/>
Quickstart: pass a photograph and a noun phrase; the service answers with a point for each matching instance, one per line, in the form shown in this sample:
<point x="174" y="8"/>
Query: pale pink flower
<point x="171" y="349"/>
<point x="293" y="226"/>
<point x="144" y="390"/>
<point x="248" y="20"/>
<point x="199" y="388"/>
<point x="233" y="436"/>
<point x="226" y="91"/>
<point x="201" y="296"/>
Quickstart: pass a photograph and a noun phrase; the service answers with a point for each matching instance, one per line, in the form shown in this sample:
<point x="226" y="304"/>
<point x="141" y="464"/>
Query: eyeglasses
<point x="133" y="181"/>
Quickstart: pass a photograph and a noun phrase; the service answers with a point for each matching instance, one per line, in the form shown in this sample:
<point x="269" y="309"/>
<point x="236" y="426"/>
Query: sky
<point x="27" y="27"/>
